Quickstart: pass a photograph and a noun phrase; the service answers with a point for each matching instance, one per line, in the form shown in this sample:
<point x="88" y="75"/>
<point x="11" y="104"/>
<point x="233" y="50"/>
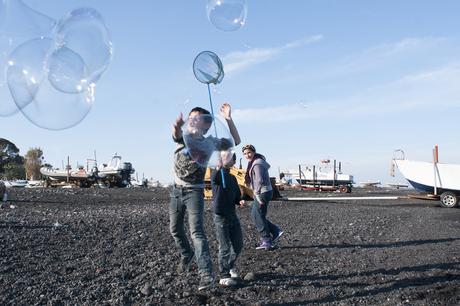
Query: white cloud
<point x="381" y="55"/>
<point x="281" y="113"/>
<point x="240" y="60"/>
<point x="426" y="90"/>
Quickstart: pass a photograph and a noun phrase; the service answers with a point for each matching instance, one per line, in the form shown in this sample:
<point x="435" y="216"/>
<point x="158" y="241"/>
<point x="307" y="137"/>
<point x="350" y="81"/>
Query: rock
<point x="249" y="277"/>
<point x="146" y="290"/>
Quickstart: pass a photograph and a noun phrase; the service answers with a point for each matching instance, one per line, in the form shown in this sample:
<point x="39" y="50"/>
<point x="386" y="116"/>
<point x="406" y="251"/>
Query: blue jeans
<point x="230" y="238"/>
<point x="191" y="201"/>
<point x="259" y="214"/>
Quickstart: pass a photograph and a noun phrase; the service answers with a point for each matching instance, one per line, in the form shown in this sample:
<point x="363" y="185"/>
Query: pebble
<point x="249" y="277"/>
<point x="146" y="290"/>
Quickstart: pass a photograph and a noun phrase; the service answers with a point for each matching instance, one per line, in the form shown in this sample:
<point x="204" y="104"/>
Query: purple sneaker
<point x="265" y="244"/>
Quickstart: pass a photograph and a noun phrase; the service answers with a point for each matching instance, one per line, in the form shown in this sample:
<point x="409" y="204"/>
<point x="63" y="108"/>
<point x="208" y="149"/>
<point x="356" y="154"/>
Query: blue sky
<point x="308" y="80"/>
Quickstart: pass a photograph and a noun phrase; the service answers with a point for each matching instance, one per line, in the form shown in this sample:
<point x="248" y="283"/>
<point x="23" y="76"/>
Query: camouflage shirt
<point x="187" y="171"/>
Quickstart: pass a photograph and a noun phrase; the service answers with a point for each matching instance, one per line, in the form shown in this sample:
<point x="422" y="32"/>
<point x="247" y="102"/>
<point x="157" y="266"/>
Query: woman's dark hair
<point x="248" y="147"/>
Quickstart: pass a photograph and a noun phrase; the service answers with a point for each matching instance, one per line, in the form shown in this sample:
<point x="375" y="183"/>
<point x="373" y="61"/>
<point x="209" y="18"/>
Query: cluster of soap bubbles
<point x="50" y="68"/>
<point x="227" y="15"/>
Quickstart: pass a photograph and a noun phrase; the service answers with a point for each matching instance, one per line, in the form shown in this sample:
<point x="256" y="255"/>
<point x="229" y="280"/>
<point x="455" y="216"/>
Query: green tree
<point x="11" y="163"/>
<point x="33" y="163"/>
<point x="13" y="171"/>
<point x="3" y="158"/>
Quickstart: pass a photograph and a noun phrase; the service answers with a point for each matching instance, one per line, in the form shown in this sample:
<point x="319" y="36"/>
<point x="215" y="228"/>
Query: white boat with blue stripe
<point x="432" y="177"/>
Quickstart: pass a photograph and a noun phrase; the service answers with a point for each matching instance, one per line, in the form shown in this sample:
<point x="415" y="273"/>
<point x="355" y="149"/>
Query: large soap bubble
<point x="227" y="15"/>
<point x="67" y="71"/>
<point x="208" y="68"/>
<point x="27" y="69"/>
<point x="207" y="139"/>
<point x="83" y="53"/>
<point x="35" y="96"/>
<point x="18" y="23"/>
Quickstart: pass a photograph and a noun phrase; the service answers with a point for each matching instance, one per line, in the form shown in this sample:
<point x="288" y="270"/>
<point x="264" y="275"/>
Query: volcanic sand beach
<point x="113" y="247"/>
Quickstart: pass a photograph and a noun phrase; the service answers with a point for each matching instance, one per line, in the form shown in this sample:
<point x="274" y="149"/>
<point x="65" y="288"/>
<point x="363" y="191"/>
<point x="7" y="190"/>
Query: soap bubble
<point x="18" y="23"/>
<point x="27" y="69"/>
<point x="84" y="33"/>
<point x="205" y="138"/>
<point x="227" y="15"/>
<point x="208" y="68"/>
<point x="35" y="96"/>
<point x="54" y="110"/>
<point x="51" y="81"/>
<point x="226" y="158"/>
<point x="67" y="71"/>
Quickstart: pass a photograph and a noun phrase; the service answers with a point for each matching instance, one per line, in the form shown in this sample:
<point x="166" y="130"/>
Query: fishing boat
<point x="18" y="183"/>
<point x="432" y="177"/>
<point x="79" y="176"/>
<point x="397" y="185"/>
<point x="323" y="177"/>
<point x="115" y="173"/>
<point x="369" y="184"/>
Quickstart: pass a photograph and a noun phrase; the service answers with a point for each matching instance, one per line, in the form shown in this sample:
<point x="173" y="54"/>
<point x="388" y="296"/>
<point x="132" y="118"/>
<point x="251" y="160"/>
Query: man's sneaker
<point x="228" y="282"/>
<point x="277" y="235"/>
<point x="185" y="264"/>
<point x="265" y="245"/>
<point x="206" y="282"/>
<point x="234" y="273"/>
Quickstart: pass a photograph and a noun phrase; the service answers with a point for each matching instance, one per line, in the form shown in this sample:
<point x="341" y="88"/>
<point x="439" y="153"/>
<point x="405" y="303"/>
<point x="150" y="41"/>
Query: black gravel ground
<point x="113" y="247"/>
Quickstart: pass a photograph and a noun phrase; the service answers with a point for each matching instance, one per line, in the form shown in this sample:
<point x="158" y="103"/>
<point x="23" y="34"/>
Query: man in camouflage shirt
<point x="187" y="194"/>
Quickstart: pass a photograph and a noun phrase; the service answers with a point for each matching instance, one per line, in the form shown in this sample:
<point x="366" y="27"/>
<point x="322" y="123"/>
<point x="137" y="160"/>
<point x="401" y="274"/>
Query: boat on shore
<point x="397" y="185"/>
<point x="370" y="184"/>
<point x="16" y="183"/>
<point x="115" y="173"/>
<point x="325" y="177"/>
<point x="79" y="176"/>
<point x="426" y="176"/>
<point x="432" y="177"/>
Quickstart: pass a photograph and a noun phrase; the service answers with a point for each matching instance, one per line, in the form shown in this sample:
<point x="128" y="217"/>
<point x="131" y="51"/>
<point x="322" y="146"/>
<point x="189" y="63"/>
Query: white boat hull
<point x="426" y="176"/>
<point x="54" y="174"/>
<point x="322" y="178"/>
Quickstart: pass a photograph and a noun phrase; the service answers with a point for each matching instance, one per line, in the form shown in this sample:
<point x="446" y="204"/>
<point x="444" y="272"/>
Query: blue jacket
<point x="224" y="199"/>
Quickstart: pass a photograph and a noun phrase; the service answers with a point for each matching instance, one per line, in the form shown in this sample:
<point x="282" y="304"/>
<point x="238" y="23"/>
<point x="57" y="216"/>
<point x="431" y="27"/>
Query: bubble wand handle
<point x="215" y="132"/>
<point x="212" y="110"/>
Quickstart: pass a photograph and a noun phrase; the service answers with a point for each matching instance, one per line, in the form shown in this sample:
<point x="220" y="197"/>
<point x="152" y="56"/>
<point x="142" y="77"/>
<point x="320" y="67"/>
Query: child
<point x="228" y="229"/>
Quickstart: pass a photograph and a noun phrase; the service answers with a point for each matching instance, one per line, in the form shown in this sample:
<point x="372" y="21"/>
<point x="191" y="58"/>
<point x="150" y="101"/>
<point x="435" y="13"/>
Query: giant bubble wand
<point x="208" y="69"/>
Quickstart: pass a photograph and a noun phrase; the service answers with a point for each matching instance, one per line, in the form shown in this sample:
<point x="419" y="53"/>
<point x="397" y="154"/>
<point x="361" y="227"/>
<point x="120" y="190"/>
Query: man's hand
<point x="226" y="111"/>
<point x="177" y="127"/>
